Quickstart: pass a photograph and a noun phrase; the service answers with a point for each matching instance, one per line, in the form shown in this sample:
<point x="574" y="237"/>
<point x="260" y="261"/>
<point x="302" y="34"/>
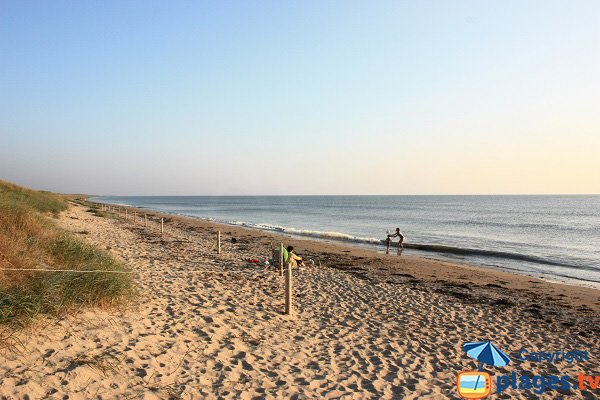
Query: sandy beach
<point x="366" y="325"/>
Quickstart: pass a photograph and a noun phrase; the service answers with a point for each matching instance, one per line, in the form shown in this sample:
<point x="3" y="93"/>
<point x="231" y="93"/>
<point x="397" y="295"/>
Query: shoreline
<point x="211" y="325"/>
<point x="350" y="257"/>
<point x="414" y="250"/>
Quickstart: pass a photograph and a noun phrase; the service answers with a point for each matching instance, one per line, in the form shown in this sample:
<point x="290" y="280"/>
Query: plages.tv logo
<point x="478" y="384"/>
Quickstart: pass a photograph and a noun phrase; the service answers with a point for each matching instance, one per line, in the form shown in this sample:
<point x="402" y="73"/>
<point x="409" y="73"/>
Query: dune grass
<point x="14" y="196"/>
<point x="30" y="239"/>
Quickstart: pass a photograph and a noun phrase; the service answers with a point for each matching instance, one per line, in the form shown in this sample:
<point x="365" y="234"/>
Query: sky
<point x="301" y="97"/>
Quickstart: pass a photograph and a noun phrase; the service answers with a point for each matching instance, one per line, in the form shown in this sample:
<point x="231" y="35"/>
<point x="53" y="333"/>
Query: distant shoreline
<point x="440" y="252"/>
<point x="429" y="269"/>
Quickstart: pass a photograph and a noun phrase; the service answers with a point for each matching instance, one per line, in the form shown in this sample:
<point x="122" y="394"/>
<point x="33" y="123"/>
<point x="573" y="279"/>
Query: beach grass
<point x="30" y="239"/>
<point x="100" y="213"/>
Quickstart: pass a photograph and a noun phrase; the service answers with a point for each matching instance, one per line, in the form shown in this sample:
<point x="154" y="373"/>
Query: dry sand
<point x="366" y="325"/>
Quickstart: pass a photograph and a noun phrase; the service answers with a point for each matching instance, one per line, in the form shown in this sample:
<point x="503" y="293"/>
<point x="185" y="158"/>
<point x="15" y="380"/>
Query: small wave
<point x="520" y="225"/>
<point x="306" y="232"/>
<point x="438" y="248"/>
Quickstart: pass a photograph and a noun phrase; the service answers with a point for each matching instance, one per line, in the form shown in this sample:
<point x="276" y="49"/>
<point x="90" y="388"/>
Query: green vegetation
<point x="31" y="240"/>
<point x="93" y="208"/>
<point x="99" y="213"/>
<point x="13" y="197"/>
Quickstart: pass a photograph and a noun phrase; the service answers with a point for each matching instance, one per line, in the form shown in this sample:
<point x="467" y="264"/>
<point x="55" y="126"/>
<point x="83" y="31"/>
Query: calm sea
<point x="556" y="237"/>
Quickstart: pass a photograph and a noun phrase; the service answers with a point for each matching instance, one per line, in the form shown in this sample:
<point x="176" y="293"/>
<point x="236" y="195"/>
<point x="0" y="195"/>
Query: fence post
<point x="162" y="228"/>
<point x="134" y="215"/>
<point x="288" y="289"/>
<point x="280" y="259"/>
<point x="145" y="221"/>
<point x="125" y="213"/>
<point x="218" y="242"/>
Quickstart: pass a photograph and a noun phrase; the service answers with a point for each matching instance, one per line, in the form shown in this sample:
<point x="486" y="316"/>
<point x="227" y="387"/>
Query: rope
<point x="56" y="270"/>
<point x="65" y="270"/>
<point x="136" y="272"/>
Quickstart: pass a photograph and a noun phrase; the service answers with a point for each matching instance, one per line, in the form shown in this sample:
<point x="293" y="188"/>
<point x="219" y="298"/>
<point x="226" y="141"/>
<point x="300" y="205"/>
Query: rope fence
<point x="284" y="270"/>
<point x="66" y="270"/>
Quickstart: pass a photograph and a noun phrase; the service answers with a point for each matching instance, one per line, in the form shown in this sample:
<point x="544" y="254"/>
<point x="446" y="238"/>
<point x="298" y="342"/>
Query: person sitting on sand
<point x="294" y="260"/>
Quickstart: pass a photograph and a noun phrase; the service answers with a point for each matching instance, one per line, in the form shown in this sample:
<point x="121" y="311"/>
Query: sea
<point x="555" y="237"/>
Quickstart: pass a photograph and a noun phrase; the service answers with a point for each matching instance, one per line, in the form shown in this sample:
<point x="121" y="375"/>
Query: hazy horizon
<point x="309" y="98"/>
<point x="339" y="195"/>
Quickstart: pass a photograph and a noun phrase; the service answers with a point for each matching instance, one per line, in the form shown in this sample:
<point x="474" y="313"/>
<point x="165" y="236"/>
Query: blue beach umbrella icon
<point x="486" y="353"/>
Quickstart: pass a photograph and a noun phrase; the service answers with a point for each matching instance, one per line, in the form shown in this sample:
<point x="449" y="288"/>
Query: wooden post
<point x="288" y="289"/>
<point x="280" y="259"/>
<point x="125" y="213"/>
<point x="145" y="221"/>
<point x="134" y="215"/>
<point x="162" y="227"/>
<point x="218" y="242"/>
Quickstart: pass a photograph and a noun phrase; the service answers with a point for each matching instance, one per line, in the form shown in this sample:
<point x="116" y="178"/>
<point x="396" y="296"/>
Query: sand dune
<point x="365" y="326"/>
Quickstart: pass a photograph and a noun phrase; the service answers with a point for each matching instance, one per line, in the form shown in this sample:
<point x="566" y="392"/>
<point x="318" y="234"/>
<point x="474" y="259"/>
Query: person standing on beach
<point x="400" y="236"/>
<point x="400" y="243"/>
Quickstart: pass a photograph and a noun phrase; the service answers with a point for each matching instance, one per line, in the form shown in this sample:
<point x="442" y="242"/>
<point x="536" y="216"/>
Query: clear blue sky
<point x="311" y="97"/>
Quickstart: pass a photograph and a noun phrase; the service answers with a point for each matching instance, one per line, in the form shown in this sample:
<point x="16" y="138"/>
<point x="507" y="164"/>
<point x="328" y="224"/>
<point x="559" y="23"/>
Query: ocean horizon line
<point x="344" y="195"/>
